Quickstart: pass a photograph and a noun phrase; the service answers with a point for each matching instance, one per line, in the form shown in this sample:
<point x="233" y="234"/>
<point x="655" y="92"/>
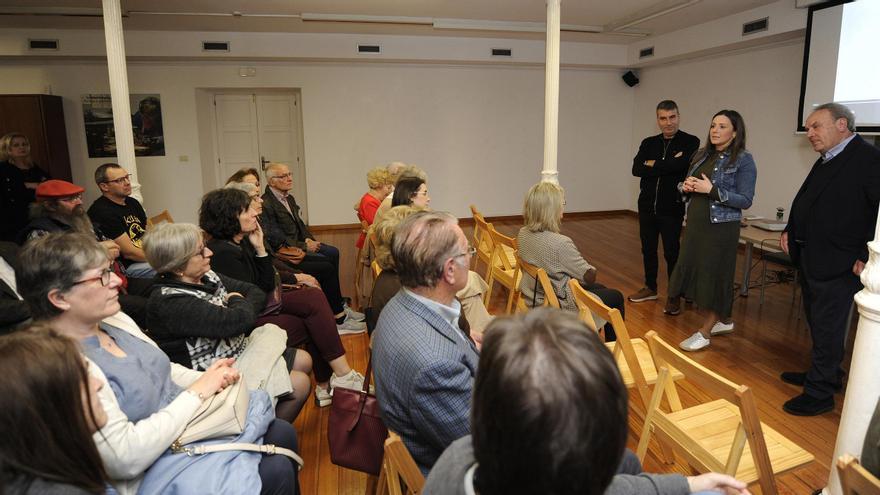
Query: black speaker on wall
<point x="630" y="78"/>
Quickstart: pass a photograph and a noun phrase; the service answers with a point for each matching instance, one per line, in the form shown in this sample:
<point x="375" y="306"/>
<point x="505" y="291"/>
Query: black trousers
<point x="827" y="304"/>
<point x="667" y="227"/>
<point x="278" y="472"/>
<point x="324" y="266"/>
<point x="613" y="299"/>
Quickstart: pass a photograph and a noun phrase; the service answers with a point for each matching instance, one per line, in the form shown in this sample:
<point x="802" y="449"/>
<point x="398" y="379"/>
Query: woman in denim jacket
<point x="720" y="184"/>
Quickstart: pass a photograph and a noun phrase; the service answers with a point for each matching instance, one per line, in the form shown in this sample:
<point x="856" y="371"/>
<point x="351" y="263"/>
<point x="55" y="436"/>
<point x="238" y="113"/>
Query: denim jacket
<point x="734" y="185"/>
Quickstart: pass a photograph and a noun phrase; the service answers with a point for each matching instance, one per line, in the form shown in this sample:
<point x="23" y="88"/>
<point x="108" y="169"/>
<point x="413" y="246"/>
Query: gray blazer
<point x="424" y="369"/>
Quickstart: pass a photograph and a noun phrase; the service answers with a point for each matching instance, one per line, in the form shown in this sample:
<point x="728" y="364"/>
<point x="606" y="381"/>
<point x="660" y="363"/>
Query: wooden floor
<point x="769" y="339"/>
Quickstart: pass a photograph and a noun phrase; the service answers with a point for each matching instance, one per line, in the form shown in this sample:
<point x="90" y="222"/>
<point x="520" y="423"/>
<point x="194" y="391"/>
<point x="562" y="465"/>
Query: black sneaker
<point x="807" y="405"/>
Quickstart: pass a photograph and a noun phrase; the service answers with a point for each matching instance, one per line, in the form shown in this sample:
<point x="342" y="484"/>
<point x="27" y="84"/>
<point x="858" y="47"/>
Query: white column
<point x="119" y="92"/>
<point x="551" y="94"/>
<point x="863" y="387"/>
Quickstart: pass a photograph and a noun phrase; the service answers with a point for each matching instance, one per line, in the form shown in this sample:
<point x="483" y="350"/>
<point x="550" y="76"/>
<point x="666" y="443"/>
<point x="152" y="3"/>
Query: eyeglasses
<point x="202" y="251"/>
<point x="423" y="193"/>
<point x="282" y="176"/>
<point x="75" y="197"/>
<point x="106" y="275"/>
<point x="124" y="178"/>
<point x="470" y="252"/>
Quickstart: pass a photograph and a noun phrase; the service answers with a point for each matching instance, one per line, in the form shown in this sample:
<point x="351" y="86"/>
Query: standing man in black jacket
<point x="662" y="162"/>
<point x="832" y="219"/>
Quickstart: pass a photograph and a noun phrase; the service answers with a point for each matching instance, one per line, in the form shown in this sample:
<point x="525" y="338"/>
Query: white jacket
<point x="129" y="449"/>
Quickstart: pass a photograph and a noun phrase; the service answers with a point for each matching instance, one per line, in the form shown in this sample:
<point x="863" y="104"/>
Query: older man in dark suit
<point x="832" y="219"/>
<point x="424" y="363"/>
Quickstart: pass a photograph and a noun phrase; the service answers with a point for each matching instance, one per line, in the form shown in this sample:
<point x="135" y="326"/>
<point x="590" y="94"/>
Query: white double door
<point x="254" y="130"/>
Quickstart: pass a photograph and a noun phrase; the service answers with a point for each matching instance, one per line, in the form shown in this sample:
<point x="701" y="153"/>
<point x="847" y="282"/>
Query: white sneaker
<point x="720" y="328"/>
<point x="350" y="326"/>
<point x="353" y="381"/>
<point x="354" y="315"/>
<point x="695" y="342"/>
<point x="323" y="398"/>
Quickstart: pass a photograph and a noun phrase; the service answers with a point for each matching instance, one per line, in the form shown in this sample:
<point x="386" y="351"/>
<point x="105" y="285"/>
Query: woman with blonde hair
<point x="379" y="182"/>
<point x="19" y="178"/>
<point x="541" y="244"/>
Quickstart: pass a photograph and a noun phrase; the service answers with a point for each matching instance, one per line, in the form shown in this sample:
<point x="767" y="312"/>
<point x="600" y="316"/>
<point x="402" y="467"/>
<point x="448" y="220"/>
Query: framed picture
<point x="146" y="125"/>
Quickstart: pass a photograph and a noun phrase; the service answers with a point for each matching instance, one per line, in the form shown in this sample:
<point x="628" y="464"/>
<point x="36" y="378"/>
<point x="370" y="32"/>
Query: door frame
<point x="300" y="170"/>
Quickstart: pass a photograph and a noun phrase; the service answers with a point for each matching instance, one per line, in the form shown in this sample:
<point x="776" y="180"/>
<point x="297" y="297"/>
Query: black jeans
<point x="669" y="229"/>
<point x="279" y="472"/>
<point x="613" y="299"/>
<point x="324" y="266"/>
<point x="827" y="304"/>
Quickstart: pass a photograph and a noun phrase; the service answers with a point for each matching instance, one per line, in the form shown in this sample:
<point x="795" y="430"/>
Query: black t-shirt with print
<point x="114" y="219"/>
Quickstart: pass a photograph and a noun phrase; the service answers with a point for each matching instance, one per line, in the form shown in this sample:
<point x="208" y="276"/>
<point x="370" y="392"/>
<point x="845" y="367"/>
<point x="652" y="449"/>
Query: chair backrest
<point x="748" y="430"/>
<point x="374" y="266"/>
<point x="542" y="281"/>
<point x="400" y="466"/>
<point x="502" y="268"/>
<point x="160" y="218"/>
<point x="500" y="259"/>
<point x="482" y="241"/>
<point x="855" y="479"/>
<point x="588" y="304"/>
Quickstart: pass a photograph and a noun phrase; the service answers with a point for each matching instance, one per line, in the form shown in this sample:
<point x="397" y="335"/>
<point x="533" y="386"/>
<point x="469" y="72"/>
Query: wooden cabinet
<point x="41" y="119"/>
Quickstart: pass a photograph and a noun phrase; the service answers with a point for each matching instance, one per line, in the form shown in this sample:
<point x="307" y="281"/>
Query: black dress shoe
<point x="805" y="405"/>
<point x="798" y="378"/>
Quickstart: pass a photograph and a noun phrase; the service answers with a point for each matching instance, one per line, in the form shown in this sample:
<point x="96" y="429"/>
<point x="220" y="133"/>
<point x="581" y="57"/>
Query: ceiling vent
<point x="43" y="44"/>
<point x="369" y="48"/>
<point x="755" y="26"/>
<point x="215" y="46"/>
<point x="646" y="52"/>
<point x="502" y="52"/>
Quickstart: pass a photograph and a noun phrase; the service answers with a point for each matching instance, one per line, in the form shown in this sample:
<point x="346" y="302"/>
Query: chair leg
<point x="763" y="281"/>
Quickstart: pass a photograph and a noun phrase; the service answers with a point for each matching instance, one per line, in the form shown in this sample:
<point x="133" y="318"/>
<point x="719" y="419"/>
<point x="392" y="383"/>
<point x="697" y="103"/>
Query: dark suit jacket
<point x="13" y="311"/>
<point x="841" y="220"/>
<point x="282" y="228"/>
<point x="424" y="369"/>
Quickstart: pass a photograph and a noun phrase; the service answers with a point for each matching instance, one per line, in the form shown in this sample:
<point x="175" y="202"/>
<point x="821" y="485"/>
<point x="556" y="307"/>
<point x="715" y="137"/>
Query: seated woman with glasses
<point x="197" y="316"/>
<point x="541" y="244"/>
<point x="229" y="218"/>
<point x="54" y="453"/>
<point x="67" y="282"/>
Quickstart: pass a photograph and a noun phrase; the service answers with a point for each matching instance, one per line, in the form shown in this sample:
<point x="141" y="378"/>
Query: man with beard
<point x="59" y="209"/>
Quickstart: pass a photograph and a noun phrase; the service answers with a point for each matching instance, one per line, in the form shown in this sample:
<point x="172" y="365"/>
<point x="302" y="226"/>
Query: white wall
<point x="763" y="85"/>
<point x="477" y="130"/>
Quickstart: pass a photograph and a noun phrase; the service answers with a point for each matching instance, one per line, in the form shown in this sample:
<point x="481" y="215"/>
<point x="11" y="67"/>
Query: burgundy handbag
<point x="356" y="431"/>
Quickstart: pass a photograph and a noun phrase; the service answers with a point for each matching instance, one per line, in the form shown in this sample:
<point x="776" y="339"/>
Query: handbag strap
<point x="250" y="447"/>
<point x="365" y="392"/>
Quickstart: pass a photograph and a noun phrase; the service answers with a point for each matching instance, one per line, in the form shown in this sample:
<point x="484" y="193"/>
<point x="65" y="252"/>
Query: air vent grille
<point x="755" y="26"/>
<point x="43" y="44"/>
<point x="502" y="52"/>
<point x="215" y="46"/>
<point x="369" y="49"/>
<point x="646" y="52"/>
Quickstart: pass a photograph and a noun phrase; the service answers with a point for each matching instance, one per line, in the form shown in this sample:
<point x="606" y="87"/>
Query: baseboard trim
<point x="470" y="221"/>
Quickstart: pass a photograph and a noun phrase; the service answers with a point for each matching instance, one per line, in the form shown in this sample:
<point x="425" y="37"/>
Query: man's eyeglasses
<point x="124" y="178"/>
<point x="106" y="275"/>
<point x="470" y="252"/>
<point x="282" y="176"/>
<point x="71" y="199"/>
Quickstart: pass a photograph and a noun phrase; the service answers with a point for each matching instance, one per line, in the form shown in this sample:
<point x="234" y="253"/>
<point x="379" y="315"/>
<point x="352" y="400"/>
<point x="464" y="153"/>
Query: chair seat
<point x="505" y="277"/>
<point x="646" y="362"/>
<point x="511" y="256"/>
<point x="713" y="426"/>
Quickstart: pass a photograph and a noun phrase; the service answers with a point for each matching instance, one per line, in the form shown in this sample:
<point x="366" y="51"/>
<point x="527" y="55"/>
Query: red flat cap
<point x="57" y="189"/>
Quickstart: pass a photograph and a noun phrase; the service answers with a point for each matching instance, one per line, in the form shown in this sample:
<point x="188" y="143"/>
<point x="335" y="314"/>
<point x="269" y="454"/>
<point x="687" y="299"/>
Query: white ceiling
<point x="607" y="13"/>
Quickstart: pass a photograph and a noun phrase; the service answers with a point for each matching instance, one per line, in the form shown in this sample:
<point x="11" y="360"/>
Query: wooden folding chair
<point x="724" y="435"/>
<point x="376" y="269"/>
<point x="482" y="241"/>
<point x="855" y="479"/>
<point x="160" y="218"/>
<point x="360" y="264"/>
<point x="633" y="355"/>
<point x="502" y="266"/>
<point x="542" y="281"/>
<point x="398" y="465"/>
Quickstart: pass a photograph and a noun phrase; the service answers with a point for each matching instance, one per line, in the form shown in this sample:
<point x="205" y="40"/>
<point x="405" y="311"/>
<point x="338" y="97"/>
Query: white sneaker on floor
<point x="323" y="398"/>
<point x="720" y="328"/>
<point x="353" y="381"/>
<point x="694" y="343"/>
<point x="354" y="315"/>
<point x="350" y="326"/>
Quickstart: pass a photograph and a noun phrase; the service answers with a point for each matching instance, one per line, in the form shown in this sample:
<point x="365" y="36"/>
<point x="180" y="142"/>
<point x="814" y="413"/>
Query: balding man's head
<point x="421" y="246"/>
<point x="279" y="177"/>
